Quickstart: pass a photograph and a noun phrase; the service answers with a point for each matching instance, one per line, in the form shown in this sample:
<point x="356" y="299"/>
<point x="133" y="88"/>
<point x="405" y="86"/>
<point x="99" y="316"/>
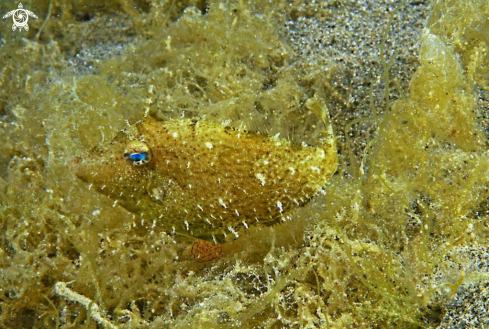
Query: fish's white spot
<point x="245" y="225"/>
<point x="222" y="203"/>
<point x="200" y="207"/>
<point x="237" y="213"/>
<point x="209" y="145"/>
<point x="292" y="170"/>
<point x="188" y="165"/>
<point x="280" y="206"/>
<point x="261" y="178"/>
<point x="175" y="135"/>
<point x="186" y="225"/>
<point x="115" y="202"/>
<point x="233" y="231"/>
<point x="265" y="162"/>
<point x="316" y="169"/>
<point x="95" y="212"/>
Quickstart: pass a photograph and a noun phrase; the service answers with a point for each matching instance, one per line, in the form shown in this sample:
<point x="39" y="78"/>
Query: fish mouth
<point x="74" y="166"/>
<point x="82" y="169"/>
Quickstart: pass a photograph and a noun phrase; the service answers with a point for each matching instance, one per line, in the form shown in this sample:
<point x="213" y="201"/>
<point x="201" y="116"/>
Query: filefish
<point x="204" y="179"/>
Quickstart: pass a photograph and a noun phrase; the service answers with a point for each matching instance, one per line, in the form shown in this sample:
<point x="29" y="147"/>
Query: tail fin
<point x="318" y="106"/>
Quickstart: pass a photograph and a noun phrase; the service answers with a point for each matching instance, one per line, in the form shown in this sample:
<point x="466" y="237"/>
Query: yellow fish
<point x="204" y="179"/>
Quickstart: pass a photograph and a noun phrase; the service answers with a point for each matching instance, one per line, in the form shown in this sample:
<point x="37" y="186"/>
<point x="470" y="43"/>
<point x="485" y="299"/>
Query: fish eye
<point x="137" y="153"/>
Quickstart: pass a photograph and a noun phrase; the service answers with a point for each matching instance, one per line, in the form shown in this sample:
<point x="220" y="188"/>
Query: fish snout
<point x="77" y="168"/>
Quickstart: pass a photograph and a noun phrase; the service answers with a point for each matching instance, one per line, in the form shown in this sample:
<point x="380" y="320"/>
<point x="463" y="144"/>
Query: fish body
<point x="204" y="179"/>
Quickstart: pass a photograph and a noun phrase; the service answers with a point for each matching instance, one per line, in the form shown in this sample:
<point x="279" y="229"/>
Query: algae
<point x="371" y="252"/>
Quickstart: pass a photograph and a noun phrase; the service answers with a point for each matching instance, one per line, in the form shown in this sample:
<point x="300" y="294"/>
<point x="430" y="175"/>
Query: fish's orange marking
<point x="205" y="251"/>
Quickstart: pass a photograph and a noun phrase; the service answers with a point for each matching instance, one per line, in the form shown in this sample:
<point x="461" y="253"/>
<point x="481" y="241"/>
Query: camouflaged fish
<point x="204" y="179"/>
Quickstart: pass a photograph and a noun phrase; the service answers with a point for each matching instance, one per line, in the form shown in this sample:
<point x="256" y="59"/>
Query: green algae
<point x="361" y="255"/>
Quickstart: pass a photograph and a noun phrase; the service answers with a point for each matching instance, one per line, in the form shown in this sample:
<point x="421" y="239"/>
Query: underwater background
<point x="397" y="238"/>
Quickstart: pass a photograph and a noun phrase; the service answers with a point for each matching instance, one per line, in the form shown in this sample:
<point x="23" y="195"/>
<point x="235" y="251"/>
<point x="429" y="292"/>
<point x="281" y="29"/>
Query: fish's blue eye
<point x="137" y="153"/>
<point x="139" y="156"/>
